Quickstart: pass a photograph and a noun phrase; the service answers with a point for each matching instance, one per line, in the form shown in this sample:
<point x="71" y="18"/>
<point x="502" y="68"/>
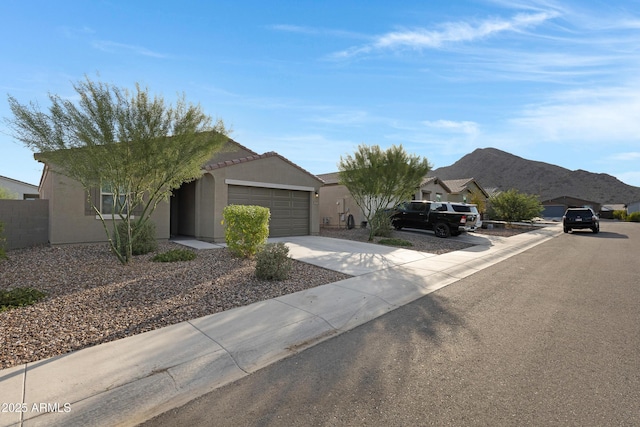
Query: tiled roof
<point x="458" y="185"/>
<point x="17" y="181"/>
<point x="218" y="165"/>
<point x="428" y="180"/>
<point x="242" y="146"/>
<point x="329" y="178"/>
<point x="226" y="163"/>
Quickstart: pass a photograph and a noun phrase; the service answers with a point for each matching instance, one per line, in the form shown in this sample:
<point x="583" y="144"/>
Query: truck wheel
<point x="442" y="230"/>
<point x="397" y="225"/>
<point x="566" y="229"/>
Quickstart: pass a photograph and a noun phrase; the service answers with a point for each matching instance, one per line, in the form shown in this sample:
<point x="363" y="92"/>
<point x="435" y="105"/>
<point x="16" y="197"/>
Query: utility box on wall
<point x="336" y="203"/>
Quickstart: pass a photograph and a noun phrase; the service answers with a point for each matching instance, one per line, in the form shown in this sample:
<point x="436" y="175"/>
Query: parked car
<point x="472" y="224"/>
<point x="580" y="218"/>
<point x="436" y="216"/>
<point x="478" y="224"/>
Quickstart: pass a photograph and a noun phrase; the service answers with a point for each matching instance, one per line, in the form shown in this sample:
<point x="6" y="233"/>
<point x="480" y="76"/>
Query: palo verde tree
<point x="129" y="142"/>
<point x="515" y="206"/>
<point x="378" y="179"/>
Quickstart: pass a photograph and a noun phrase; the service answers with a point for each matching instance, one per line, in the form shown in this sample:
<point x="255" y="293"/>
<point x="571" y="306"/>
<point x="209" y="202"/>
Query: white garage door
<point x="289" y="208"/>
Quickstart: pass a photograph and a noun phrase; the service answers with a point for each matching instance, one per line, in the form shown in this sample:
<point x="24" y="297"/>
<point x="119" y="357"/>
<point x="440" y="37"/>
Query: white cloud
<point x="623" y="157"/>
<point x="343" y="118"/>
<point x="585" y="116"/>
<point x="294" y="29"/>
<point x="74" y="32"/>
<point x="465" y="127"/>
<point x="114" y="47"/>
<point x="299" y="29"/>
<point x="452" y="32"/>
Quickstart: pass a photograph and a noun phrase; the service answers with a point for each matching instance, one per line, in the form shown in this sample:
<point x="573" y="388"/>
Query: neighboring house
<point x="336" y="202"/>
<point x="23" y="190"/>
<point x="432" y="188"/>
<point x="452" y="190"/>
<point x="555" y="208"/>
<point x="606" y="211"/>
<point x="633" y="207"/>
<point x="235" y="175"/>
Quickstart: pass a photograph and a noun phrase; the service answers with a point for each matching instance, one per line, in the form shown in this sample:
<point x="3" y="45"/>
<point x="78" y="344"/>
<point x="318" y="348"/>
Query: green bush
<point x="273" y="262"/>
<point x="620" y="214"/>
<point x="144" y="240"/>
<point x="381" y="224"/>
<point x="3" y="253"/>
<point x="19" y="297"/>
<point x="634" y="217"/>
<point x="247" y="228"/>
<point x="175" y="255"/>
<point x="515" y="206"/>
<point x="395" y="242"/>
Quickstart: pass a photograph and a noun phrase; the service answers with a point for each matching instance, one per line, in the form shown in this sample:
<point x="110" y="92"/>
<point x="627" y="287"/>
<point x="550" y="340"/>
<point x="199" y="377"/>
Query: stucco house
<point x="234" y="175"/>
<point x="451" y="190"/>
<point x="337" y="204"/>
<point x="633" y="207"/>
<point x="22" y="190"/>
<point x="555" y="208"/>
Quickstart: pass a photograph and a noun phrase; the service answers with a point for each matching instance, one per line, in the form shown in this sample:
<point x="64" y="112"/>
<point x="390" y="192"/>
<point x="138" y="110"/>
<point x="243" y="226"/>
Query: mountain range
<point x="499" y="170"/>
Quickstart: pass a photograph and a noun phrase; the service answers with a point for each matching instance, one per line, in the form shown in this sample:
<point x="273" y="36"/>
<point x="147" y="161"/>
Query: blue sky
<point x="553" y="81"/>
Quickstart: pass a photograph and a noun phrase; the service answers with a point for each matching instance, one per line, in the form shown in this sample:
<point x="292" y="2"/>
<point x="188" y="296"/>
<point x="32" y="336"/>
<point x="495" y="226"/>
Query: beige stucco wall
<point x="269" y="172"/>
<point x="336" y="204"/>
<point x="69" y="224"/>
<point x="467" y="193"/>
<point x="430" y="192"/>
<point x="67" y="220"/>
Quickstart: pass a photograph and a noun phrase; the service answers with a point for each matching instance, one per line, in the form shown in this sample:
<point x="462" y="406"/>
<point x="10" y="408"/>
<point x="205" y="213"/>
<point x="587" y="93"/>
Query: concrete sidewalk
<point x="128" y="381"/>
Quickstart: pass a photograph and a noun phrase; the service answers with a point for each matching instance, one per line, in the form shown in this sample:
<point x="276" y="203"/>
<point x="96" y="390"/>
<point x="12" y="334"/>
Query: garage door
<point x="289" y="208"/>
<point x="553" y="211"/>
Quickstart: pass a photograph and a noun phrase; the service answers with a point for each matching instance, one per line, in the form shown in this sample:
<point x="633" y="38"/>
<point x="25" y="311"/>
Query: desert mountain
<point x="493" y="168"/>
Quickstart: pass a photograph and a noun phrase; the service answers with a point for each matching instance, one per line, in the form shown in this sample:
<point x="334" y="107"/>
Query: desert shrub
<point x="620" y="214"/>
<point x="634" y="217"/>
<point x="273" y="262"/>
<point x="175" y="255"/>
<point x="144" y="237"/>
<point x="515" y="206"/>
<point x="395" y="242"/>
<point x="5" y="193"/>
<point x="19" y="297"/>
<point x="3" y="252"/>
<point x="381" y="224"/>
<point x="246" y="228"/>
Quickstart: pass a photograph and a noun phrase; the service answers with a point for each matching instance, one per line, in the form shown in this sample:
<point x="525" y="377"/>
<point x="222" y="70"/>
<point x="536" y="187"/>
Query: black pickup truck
<point x="424" y="214"/>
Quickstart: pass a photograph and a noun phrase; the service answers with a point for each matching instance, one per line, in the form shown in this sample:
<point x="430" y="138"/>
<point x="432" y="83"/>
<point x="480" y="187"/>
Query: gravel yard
<point x="92" y="299"/>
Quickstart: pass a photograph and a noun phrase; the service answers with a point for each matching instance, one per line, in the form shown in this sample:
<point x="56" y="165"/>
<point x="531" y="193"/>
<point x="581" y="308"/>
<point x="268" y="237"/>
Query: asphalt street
<point x="547" y="337"/>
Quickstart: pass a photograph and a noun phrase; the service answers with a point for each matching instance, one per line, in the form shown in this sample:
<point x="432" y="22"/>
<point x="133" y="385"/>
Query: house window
<point x="109" y="204"/>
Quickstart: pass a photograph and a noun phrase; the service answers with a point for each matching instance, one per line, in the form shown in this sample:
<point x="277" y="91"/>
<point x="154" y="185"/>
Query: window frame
<point x="106" y="190"/>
